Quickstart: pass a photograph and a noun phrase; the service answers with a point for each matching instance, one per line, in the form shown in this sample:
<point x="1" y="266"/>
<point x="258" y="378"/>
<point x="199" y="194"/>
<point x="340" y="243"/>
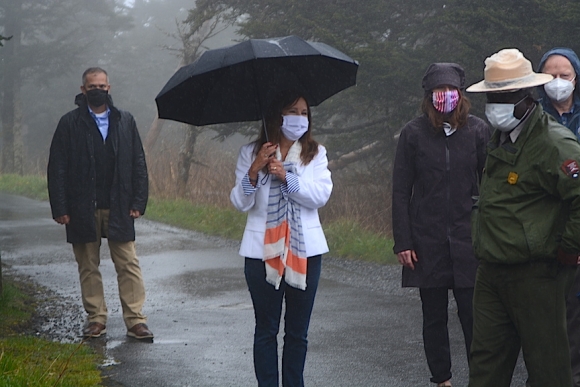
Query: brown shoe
<point x="140" y="331"/>
<point x="94" y="329"/>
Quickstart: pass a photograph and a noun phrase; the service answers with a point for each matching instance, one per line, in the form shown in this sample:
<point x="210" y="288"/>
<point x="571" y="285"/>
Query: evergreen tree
<point x="49" y="38"/>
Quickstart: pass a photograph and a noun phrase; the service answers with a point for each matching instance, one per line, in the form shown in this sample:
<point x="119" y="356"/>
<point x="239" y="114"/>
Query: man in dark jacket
<point x="98" y="186"/>
<point x="526" y="232"/>
<point x="561" y="98"/>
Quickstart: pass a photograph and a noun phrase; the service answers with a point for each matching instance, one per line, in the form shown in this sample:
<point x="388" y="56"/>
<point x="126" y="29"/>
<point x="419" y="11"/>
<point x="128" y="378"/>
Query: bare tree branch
<point x="353" y="156"/>
<point x="349" y="129"/>
<point x="4" y="38"/>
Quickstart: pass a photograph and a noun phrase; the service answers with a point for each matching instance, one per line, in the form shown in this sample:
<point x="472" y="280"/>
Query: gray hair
<point x="94" y="70"/>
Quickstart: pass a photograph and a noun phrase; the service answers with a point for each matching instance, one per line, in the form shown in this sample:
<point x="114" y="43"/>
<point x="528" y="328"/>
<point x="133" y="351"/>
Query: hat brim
<point x="486" y="87"/>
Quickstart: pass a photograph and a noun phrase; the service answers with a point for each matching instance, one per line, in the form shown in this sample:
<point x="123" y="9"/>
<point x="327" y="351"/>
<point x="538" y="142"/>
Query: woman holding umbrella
<point x="281" y="180"/>
<point x="438" y="166"/>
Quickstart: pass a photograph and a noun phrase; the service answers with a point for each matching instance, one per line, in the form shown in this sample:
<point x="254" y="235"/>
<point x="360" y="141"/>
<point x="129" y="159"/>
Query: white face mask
<point x="558" y="89"/>
<point x="293" y="127"/>
<point x="501" y="116"/>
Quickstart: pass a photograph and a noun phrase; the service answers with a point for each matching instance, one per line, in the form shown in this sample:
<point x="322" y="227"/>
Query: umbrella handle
<point x="264" y="126"/>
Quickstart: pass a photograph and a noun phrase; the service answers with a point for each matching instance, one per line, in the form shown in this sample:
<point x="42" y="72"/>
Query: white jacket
<point x="315" y="189"/>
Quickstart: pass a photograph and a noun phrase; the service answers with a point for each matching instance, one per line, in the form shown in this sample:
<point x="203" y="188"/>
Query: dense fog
<point x="46" y="45"/>
<point x="140" y="52"/>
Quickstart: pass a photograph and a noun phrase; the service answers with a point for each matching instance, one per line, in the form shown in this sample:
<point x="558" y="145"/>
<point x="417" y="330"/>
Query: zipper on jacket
<point x="448" y="188"/>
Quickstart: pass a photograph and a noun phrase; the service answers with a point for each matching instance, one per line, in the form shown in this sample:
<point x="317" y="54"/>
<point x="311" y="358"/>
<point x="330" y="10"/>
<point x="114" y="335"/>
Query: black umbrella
<point x="236" y="83"/>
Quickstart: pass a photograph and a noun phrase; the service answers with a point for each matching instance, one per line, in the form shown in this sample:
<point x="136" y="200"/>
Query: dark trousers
<point x="435" y="333"/>
<point x="520" y="306"/>
<point x="267" y="311"/>
<point x="573" y="317"/>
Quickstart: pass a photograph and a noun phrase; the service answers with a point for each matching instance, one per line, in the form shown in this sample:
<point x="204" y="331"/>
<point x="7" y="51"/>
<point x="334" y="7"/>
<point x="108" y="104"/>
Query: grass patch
<point x="16" y="308"/>
<point x="27" y="361"/>
<point x="223" y="222"/>
<point x="347" y="239"/>
<point x="31" y="186"/>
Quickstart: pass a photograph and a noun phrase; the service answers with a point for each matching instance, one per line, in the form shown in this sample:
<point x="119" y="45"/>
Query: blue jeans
<point x="267" y="311"/>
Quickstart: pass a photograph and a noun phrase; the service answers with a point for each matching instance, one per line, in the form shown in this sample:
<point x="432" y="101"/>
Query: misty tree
<point x="49" y="39"/>
<point x="472" y="30"/>
<point x="4" y="38"/>
<point x="206" y="20"/>
<point x="395" y="41"/>
<point x="360" y="121"/>
<point x="202" y="23"/>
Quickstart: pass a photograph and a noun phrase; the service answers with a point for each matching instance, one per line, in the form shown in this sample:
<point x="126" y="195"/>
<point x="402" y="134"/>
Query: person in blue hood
<point x="561" y="98"/>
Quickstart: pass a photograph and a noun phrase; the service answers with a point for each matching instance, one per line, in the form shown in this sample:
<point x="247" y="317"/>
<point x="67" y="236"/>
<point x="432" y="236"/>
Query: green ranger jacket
<point x="529" y="200"/>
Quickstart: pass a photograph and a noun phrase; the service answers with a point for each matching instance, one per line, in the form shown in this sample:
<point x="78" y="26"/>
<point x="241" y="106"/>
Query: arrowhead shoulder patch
<point x="571" y="169"/>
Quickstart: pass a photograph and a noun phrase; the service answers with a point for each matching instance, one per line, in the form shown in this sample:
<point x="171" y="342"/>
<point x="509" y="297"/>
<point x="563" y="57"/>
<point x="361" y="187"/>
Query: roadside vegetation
<point x="27" y="361"/>
<point x="31" y="186"/>
<point x="347" y="238"/>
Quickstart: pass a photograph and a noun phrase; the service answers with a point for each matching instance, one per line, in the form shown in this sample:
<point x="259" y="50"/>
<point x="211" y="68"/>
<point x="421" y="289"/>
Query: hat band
<point x="502" y="84"/>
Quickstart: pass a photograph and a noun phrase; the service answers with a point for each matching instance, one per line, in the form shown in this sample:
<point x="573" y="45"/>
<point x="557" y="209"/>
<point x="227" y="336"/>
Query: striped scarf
<point x="284" y="250"/>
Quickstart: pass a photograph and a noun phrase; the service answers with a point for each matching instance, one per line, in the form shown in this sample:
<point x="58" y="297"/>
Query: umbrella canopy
<point x="237" y="83"/>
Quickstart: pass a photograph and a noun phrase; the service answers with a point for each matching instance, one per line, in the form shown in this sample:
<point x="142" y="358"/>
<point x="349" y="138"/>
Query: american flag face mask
<point x="445" y="101"/>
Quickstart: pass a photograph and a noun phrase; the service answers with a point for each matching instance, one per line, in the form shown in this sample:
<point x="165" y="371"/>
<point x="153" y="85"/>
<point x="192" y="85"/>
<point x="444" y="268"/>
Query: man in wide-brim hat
<point x="526" y="232"/>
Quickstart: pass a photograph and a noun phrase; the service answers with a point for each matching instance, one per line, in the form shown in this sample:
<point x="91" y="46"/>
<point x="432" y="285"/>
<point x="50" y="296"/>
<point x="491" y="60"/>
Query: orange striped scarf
<point x="284" y="249"/>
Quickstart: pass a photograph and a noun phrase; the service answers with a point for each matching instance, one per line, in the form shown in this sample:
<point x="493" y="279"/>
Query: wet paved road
<point x="365" y="329"/>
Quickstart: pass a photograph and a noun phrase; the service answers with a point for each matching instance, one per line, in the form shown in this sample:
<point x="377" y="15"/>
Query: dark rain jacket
<point x="570" y="120"/>
<point x="71" y="174"/>
<point x="435" y="179"/>
<point x="529" y="200"/>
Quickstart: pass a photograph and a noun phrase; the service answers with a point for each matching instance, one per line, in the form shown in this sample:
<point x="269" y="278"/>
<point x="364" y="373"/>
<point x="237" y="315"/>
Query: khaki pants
<point x="129" y="278"/>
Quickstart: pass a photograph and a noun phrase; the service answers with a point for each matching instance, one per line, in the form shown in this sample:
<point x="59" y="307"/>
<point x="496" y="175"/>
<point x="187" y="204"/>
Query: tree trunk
<point x="153" y="135"/>
<point x="12" y="146"/>
<point x="354" y="156"/>
<point x="185" y="159"/>
<point x="17" y="130"/>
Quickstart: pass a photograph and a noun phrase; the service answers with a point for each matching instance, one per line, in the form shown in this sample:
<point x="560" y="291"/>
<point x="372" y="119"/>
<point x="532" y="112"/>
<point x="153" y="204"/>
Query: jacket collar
<point x="509" y="152"/>
<point x="549" y="108"/>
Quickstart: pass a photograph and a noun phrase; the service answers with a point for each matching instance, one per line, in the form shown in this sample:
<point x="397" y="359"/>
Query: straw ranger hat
<point x="508" y="70"/>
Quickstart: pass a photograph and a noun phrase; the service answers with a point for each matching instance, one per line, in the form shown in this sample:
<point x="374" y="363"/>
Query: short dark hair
<point x="93" y="70"/>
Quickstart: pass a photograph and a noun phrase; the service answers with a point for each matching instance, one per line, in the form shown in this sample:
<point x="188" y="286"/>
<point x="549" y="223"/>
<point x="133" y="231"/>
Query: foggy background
<point x="141" y="43"/>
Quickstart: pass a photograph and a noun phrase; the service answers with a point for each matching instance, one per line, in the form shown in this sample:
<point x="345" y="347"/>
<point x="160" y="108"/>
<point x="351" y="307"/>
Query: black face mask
<point x="97" y="97"/>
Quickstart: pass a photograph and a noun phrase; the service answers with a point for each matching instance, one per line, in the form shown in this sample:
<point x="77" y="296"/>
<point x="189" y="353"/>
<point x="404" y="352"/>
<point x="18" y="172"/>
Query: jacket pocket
<point x="309" y="222"/>
<point x="538" y="245"/>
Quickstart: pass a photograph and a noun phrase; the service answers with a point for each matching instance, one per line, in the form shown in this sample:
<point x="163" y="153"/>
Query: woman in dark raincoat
<point x="438" y="165"/>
